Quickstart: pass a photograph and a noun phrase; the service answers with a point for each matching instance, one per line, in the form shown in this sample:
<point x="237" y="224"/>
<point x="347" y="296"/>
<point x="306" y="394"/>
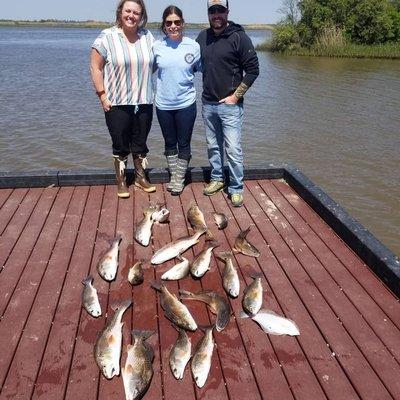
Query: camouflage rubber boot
<point x="141" y="181"/>
<point x="171" y="161"/>
<point x="179" y="182"/>
<point x="120" y="167"/>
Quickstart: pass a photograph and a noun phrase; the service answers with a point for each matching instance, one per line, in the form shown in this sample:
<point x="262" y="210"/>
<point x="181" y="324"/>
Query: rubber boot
<point x="172" y="163"/>
<point x="120" y="167"/>
<point x="179" y="182"/>
<point x="140" y="176"/>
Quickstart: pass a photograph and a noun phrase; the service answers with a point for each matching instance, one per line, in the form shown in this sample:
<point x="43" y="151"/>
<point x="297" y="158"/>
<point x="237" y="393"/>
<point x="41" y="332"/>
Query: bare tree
<point x="290" y="11"/>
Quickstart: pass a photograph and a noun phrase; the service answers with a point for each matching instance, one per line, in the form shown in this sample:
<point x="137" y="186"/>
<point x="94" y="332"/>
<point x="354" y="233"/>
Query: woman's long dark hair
<point x="168" y="11"/>
<point x="120" y="6"/>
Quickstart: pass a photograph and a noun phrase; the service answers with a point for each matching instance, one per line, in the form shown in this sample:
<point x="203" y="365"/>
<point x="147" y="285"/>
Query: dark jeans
<point x="177" y="129"/>
<point x="129" y="130"/>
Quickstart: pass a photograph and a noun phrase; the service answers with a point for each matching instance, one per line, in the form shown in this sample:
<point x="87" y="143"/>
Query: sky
<point x="241" y="11"/>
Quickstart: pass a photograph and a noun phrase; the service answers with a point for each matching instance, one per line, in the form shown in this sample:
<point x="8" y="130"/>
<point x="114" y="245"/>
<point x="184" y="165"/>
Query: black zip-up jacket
<point x="224" y="60"/>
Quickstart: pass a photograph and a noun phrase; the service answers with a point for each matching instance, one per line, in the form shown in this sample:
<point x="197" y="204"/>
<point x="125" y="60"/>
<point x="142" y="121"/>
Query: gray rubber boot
<point x="171" y="161"/>
<point x="179" y="182"/>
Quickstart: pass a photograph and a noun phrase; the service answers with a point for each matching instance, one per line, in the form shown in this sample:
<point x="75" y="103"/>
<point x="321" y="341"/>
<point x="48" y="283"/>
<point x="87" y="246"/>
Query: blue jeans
<point x="223" y="123"/>
<point x="177" y="129"/>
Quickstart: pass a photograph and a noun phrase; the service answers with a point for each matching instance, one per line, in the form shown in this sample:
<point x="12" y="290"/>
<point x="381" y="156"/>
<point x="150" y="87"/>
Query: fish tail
<point x="225" y="255"/>
<point x="87" y="280"/>
<point x="244" y="233"/>
<point x="122" y="305"/>
<point x="204" y="328"/>
<point x="157" y="286"/>
<point x="142" y="334"/>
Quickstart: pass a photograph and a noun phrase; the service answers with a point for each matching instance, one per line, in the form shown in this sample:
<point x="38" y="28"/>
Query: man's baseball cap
<point x="222" y="3"/>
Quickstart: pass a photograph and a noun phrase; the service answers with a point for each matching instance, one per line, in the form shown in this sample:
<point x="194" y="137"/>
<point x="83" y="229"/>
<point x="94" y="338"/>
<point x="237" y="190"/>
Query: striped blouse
<point x="128" y="66"/>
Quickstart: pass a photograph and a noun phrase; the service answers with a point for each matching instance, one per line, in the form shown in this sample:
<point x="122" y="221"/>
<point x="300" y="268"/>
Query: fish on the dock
<point x="175" y="310"/>
<point x="242" y="245"/>
<point x="196" y="219"/>
<point x="273" y="323"/>
<point x="221" y="220"/>
<point x="161" y="214"/>
<point x="108" y="263"/>
<point x="107" y="349"/>
<point x="253" y="296"/>
<point x="180" y="354"/>
<point x="135" y="275"/>
<point x="230" y="278"/>
<point x="201" y="264"/>
<point x="90" y="300"/>
<point x="178" y="271"/>
<point x="138" y="369"/>
<point x="201" y="361"/>
<point x="175" y="248"/>
<point x="217" y="303"/>
<point x="143" y="229"/>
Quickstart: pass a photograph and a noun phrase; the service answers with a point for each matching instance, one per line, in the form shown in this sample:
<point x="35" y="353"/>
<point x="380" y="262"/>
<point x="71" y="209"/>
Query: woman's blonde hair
<point x="118" y="13"/>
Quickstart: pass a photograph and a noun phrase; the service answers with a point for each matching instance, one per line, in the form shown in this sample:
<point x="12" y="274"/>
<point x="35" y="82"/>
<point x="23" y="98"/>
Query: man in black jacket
<point x="230" y="66"/>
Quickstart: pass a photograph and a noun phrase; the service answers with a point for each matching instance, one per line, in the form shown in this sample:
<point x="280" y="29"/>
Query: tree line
<point x="308" y="23"/>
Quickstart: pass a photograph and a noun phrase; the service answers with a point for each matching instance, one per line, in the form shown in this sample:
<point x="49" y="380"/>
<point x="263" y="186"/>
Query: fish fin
<point x="141" y="334"/>
<point x="235" y="250"/>
<point x="157" y="286"/>
<point x="88" y="279"/>
<point x="185" y="294"/>
<point x="209" y="236"/>
<point x="244" y="233"/>
<point x="111" y="339"/>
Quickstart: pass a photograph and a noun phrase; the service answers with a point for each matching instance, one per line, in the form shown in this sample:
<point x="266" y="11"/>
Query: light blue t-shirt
<point x="176" y="63"/>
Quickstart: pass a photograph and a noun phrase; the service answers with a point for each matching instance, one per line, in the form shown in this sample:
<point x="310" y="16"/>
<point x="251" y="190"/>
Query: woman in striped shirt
<point x="121" y="68"/>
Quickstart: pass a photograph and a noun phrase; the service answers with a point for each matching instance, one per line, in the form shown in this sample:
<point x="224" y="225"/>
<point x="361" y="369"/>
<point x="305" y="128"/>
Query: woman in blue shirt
<point x="177" y="58"/>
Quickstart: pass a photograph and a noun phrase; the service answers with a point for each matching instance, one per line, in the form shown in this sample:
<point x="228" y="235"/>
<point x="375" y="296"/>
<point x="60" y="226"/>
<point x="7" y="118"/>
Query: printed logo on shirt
<point x="189" y="58"/>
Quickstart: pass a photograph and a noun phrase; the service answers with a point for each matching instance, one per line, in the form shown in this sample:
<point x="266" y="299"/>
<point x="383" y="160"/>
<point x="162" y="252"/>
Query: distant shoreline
<point x="102" y="24"/>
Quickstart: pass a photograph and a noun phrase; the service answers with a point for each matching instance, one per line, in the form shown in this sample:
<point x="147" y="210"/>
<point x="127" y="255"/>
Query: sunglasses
<point x="217" y="10"/>
<point x="177" y="22"/>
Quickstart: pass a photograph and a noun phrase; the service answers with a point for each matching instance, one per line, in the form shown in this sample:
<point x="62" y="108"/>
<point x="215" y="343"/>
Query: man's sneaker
<point x="213" y="187"/>
<point x="237" y="199"/>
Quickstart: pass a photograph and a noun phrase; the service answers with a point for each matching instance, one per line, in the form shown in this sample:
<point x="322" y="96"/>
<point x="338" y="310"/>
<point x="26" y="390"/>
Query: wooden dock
<point x="51" y="238"/>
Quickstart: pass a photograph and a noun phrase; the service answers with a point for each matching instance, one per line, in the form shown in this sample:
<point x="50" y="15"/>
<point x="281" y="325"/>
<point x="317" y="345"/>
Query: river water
<point x="338" y="120"/>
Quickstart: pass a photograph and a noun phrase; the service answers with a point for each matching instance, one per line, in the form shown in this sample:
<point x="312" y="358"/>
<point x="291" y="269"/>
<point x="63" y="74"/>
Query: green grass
<point x="350" y="50"/>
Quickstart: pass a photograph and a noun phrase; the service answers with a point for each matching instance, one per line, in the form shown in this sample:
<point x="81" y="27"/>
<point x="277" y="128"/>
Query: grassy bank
<point x="349" y="50"/>
<point x="102" y="24"/>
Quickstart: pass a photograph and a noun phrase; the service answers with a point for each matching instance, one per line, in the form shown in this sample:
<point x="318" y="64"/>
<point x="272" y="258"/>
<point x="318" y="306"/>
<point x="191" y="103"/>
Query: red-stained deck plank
<point x="17" y="223"/>
<point x="22" y="375"/>
<point x="145" y="310"/>
<point x="236" y="367"/>
<point x="21" y="252"/>
<point x="346" y="351"/>
<point x="47" y="340"/>
<point x="53" y="375"/>
<point x="375" y="288"/>
<point x="84" y="374"/>
<point x="378" y="322"/>
<point x="17" y="313"/>
<point x="121" y="290"/>
<point x="9" y="207"/>
<point x="214" y="387"/>
<point x="365" y="338"/>
<point x="259" y="353"/>
<point x="4" y="194"/>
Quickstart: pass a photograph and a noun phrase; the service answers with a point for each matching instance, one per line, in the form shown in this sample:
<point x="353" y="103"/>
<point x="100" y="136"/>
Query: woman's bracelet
<point x="100" y="93"/>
